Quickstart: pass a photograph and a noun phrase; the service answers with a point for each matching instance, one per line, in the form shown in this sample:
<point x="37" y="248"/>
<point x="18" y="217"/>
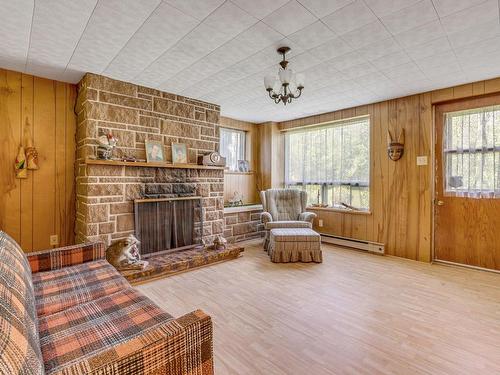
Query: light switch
<point x="421" y="160"/>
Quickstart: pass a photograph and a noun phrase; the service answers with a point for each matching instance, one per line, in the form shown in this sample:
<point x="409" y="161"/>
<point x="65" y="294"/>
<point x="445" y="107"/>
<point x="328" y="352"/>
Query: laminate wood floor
<point x="355" y="313"/>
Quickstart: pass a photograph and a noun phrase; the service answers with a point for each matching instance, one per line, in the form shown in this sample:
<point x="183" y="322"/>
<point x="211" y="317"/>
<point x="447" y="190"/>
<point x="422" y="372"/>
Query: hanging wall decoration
<point x="31" y="152"/>
<point x="21" y="170"/>
<point x="395" y="149"/>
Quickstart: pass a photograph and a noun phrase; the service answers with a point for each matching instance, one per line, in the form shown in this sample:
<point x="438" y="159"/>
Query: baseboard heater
<point x="371" y="247"/>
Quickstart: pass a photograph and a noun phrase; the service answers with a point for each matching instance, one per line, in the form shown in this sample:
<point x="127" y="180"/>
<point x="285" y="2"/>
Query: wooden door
<point x="466" y="230"/>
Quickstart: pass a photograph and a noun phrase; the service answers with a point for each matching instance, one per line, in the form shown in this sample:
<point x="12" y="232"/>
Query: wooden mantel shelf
<point x="150" y="165"/>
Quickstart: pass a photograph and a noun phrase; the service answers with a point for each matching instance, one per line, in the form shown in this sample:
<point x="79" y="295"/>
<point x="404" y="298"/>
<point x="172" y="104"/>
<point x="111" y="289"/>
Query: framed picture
<point x="155" y="151"/>
<point x="179" y="153"/>
<point x="243" y="166"/>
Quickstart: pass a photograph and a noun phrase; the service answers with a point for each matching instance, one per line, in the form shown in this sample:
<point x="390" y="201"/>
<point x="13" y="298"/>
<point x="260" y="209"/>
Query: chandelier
<point x="288" y="85"/>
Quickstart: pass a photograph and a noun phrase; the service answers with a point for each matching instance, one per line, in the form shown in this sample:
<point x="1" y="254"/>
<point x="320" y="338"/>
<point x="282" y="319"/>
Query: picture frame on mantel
<point x="155" y="152"/>
<point x="179" y="153"/>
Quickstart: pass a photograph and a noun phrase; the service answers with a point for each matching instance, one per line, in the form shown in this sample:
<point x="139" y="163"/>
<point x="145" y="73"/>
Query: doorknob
<point x="438" y="202"/>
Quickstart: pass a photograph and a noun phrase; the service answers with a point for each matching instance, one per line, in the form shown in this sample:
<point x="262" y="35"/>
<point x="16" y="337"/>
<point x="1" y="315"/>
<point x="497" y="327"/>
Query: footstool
<point x="294" y="245"/>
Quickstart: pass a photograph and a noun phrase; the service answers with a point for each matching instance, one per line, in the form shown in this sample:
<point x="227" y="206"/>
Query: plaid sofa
<point x="68" y="311"/>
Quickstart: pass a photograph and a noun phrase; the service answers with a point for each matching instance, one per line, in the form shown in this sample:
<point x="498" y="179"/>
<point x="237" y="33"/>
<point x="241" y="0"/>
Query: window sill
<point x="238" y="172"/>
<point x="244" y="208"/>
<point x="339" y="210"/>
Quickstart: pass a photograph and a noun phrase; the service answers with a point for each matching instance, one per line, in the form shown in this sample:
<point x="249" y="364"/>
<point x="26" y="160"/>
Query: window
<point x="472" y="153"/>
<point x="232" y="146"/>
<point x="331" y="162"/>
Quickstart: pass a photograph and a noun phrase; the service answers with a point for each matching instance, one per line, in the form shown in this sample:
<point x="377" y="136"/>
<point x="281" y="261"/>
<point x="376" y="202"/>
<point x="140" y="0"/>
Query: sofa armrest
<point x="266" y="217"/>
<point x="183" y="346"/>
<point x="51" y="259"/>
<point x="307" y="216"/>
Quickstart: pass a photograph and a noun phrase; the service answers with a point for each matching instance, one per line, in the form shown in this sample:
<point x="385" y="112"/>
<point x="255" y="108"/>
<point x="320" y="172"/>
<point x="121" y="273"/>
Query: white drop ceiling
<point x="353" y="52"/>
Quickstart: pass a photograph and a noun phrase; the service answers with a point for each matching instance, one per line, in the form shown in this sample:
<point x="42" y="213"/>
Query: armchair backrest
<point x="284" y="204"/>
<point x="19" y="342"/>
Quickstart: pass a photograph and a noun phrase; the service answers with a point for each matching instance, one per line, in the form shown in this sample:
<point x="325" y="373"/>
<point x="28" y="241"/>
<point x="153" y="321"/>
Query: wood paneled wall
<point x="33" y="209"/>
<point x="247" y="184"/>
<point x="400" y="192"/>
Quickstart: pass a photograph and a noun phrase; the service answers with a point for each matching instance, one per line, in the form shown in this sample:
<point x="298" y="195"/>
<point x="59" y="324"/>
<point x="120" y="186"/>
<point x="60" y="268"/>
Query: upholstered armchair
<point x="284" y="208"/>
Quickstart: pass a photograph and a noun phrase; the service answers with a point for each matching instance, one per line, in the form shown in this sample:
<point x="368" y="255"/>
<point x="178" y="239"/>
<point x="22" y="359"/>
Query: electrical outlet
<point x="54" y="240"/>
<point x="320" y="222"/>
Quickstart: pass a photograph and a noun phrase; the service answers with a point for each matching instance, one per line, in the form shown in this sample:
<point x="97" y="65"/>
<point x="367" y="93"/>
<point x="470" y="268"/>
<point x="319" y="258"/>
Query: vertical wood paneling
<point x="27" y="185"/>
<point x="10" y="138"/>
<point x="33" y="209"/>
<point x="400" y="192"/>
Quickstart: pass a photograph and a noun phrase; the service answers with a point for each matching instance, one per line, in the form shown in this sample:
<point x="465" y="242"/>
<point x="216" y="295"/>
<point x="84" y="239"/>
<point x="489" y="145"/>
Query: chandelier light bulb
<point x="287" y="85"/>
<point x="269" y="82"/>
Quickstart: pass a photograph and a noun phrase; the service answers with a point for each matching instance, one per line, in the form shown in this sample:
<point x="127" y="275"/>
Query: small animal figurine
<point x="395" y="149"/>
<point x="20" y="165"/>
<point x="236" y="200"/>
<point x="32" y="155"/>
<point x="106" y="144"/>
<point x="220" y="243"/>
<point x="124" y="254"/>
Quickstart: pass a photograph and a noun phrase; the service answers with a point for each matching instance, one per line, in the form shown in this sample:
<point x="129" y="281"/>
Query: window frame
<point x="243" y="150"/>
<point x="324" y="186"/>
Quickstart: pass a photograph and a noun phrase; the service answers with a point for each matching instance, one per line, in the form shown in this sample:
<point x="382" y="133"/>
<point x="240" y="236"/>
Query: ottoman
<point x="294" y="245"/>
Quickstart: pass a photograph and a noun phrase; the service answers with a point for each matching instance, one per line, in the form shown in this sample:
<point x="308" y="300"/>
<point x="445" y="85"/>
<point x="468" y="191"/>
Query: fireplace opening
<point x="168" y="224"/>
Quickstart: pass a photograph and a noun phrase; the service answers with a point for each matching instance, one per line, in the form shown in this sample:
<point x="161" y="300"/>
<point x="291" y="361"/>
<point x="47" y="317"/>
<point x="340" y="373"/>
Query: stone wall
<point x="240" y="226"/>
<point x="105" y="194"/>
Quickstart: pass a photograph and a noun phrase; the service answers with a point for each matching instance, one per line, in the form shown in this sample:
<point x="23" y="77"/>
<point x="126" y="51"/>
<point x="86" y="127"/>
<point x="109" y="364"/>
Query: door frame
<point x="433" y="180"/>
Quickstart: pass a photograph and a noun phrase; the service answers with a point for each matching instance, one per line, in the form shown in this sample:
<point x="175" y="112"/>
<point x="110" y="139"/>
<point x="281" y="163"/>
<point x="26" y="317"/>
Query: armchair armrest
<point x="181" y="346"/>
<point x="266" y="217"/>
<point x="307" y="216"/>
<point x="51" y="259"/>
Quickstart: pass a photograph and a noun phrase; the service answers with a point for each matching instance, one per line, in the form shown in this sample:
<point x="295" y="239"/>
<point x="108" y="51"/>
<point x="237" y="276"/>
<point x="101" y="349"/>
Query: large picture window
<point x="232" y="146"/>
<point x="472" y="153"/>
<point x="331" y="162"/>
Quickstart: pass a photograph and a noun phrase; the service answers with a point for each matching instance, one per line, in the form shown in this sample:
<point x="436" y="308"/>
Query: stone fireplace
<point x="106" y="193"/>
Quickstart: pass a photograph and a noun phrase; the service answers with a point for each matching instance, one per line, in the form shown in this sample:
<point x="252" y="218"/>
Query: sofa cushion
<point x="19" y="344"/>
<point x="69" y="286"/>
<point x="85" y="333"/>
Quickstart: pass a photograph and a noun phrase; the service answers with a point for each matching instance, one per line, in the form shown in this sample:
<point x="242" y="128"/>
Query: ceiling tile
<point x="403" y="73"/>
<point x="384" y="7"/>
<point x="198" y="9"/>
<point x="57" y="27"/>
<point x="229" y="19"/>
<point x="163" y="29"/>
<point x="333" y="48"/>
<point x="290" y="18"/>
<point x="322" y="8"/>
<point x="475" y="34"/>
<point x="260" y="8"/>
<point x="433" y="47"/>
<point x="312" y="35"/>
<point x="303" y="61"/>
<point x="358" y="70"/>
<point x="366" y="35"/>
<point x="447" y="7"/>
<point x="348" y="60"/>
<point x="391" y="60"/>
<point x="421" y="34"/>
<point x="112" y="24"/>
<point x="471" y="17"/>
<point x="433" y="61"/>
<point x="379" y="49"/>
<point x="410" y="17"/>
<point x="350" y="17"/>
<point x="15" y="26"/>
<point x="194" y="46"/>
